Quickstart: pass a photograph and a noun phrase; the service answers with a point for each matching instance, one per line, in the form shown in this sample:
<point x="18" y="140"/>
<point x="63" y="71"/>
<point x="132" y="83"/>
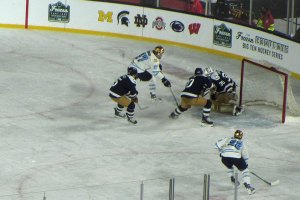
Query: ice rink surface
<point x="60" y="140"/>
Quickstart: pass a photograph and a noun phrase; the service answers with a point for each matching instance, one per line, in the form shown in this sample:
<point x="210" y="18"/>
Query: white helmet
<point x="208" y="71"/>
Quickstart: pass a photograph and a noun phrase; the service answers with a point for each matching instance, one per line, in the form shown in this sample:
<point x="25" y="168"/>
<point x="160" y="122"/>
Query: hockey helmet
<point x="159" y="51"/>
<point x="238" y="134"/>
<point x="132" y="71"/>
<point x="208" y="71"/>
<point x="198" y="71"/>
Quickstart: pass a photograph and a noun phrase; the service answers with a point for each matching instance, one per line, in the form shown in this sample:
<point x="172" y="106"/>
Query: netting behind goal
<point x="263" y="84"/>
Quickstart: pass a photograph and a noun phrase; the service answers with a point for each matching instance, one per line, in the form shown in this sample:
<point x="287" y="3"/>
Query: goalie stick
<point x="267" y="182"/>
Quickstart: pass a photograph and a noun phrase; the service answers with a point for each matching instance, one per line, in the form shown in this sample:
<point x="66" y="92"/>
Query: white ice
<point x="60" y="140"/>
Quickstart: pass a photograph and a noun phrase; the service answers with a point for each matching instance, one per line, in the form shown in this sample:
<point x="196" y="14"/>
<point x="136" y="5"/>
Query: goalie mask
<point x="208" y="71"/>
<point x="238" y="134"/>
<point x="159" y="51"/>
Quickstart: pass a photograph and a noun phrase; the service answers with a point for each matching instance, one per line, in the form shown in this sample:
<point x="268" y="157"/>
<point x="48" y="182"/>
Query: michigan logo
<point x="194" y="28"/>
<point x="105" y="17"/>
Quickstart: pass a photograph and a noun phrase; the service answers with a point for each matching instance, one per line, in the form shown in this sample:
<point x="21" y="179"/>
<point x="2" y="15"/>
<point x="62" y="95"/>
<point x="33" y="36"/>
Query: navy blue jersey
<point x="222" y="82"/>
<point x="125" y="85"/>
<point x="197" y="85"/>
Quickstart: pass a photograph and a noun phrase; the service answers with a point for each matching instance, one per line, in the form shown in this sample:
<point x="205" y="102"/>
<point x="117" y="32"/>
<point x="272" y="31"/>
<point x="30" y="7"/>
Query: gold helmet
<point x="238" y="134"/>
<point x="158" y="51"/>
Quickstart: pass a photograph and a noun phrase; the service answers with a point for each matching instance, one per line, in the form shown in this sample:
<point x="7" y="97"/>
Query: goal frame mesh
<point x="271" y="69"/>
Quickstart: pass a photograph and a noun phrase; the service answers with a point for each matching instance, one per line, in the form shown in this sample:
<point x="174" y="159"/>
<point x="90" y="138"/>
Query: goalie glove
<point x="166" y="82"/>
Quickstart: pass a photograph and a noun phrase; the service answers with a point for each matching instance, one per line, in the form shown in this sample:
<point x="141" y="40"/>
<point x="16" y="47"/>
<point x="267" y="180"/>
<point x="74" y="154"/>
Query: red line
<point x="26" y="14"/>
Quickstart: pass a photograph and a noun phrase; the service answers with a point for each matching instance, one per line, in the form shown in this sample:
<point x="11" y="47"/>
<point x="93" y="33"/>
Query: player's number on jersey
<point x="236" y="143"/>
<point x="142" y="57"/>
<point x="189" y="83"/>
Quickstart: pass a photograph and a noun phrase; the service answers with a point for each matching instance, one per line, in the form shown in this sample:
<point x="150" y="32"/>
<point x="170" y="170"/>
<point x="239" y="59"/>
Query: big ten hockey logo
<point x="122" y="18"/>
<point x="194" y="28"/>
<point x="159" y="23"/>
<point x="140" y="20"/>
<point x="105" y="16"/>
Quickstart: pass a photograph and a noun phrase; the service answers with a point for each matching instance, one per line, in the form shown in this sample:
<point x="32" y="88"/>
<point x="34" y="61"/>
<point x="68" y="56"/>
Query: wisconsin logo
<point x="159" y="23"/>
<point x="122" y="17"/>
<point x="105" y="16"/>
<point x="177" y="26"/>
<point x="194" y="28"/>
<point x="58" y="12"/>
<point x="140" y="20"/>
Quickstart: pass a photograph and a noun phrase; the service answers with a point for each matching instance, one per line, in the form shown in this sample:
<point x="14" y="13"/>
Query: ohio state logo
<point x="194" y="28"/>
<point x="159" y="23"/>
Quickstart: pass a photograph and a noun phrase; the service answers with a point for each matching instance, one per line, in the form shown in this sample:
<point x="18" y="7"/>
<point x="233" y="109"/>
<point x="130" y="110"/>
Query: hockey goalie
<point x="223" y="94"/>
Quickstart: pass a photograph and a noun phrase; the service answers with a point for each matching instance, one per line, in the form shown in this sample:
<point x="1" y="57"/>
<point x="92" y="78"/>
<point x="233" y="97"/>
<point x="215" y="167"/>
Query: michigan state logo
<point x="105" y="16"/>
<point x="140" y="20"/>
<point x="123" y="18"/>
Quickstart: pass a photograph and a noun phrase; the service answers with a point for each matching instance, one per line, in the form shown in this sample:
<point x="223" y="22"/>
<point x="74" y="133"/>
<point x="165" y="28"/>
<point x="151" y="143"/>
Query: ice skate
<point x="173" y="115"/>
<point x="118" y="113"/>
<point x="154" y="98"/>
<point x="206" y="121"/>
<point x="232" y="179"/>
<point x="131" y="120"/>
<point x="237" y="110"/>
<point x="250" y="189"/>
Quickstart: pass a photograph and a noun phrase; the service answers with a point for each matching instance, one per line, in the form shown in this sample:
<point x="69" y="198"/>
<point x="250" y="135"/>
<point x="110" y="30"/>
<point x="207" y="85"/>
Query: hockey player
<point x="193" y="95"/>
<point x="224" y="97"/>
<point x="233" y="152"/>
<point x="124" y="93"/>
<point x="149" y="68"/>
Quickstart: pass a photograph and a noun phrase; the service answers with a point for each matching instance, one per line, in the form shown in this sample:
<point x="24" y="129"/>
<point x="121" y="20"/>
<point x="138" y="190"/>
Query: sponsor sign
<point x="58" y="12"/>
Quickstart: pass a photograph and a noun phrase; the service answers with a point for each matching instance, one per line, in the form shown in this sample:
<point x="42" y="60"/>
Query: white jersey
<point x="232" y="147"/>
<point x="147" y="61"/>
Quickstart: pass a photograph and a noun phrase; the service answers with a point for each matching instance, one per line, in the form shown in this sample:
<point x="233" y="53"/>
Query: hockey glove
<point x="135" y="99"/>
<point x="160" y="67"/>
<point x="166" y="82"/>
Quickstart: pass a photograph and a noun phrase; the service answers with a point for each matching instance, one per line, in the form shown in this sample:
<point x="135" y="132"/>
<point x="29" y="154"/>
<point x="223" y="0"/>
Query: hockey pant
<point x="124" y="101"/>
<point x="187" y="103"/>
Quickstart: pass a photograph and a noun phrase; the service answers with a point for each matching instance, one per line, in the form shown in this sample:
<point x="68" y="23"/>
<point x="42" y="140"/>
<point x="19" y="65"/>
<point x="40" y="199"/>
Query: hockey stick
<point x="142" y="108"/>
<point x="174" y="96"/>
<point x="267" y="182"/>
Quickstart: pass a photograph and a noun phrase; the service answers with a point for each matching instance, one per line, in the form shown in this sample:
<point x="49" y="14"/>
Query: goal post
<point x="263" y="84"/>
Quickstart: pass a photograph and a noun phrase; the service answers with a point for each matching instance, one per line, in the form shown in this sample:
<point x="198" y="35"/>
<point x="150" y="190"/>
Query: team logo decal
<point x="159" y="23"/>
<point x="122" y="17"/>
<point x="58" y="12"/>
<point x="194" y="28"/>
<point x="105" y="16"/>
<point x="177" y="26"/>
<point x="222" y="36"/>
<point x="140" y="20"/>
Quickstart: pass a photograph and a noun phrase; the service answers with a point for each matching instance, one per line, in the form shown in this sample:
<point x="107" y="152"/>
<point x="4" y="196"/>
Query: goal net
<point x="263" y="84"/>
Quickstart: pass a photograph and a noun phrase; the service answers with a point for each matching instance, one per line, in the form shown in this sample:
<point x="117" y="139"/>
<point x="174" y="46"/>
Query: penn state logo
<point x="177" y="26"/>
